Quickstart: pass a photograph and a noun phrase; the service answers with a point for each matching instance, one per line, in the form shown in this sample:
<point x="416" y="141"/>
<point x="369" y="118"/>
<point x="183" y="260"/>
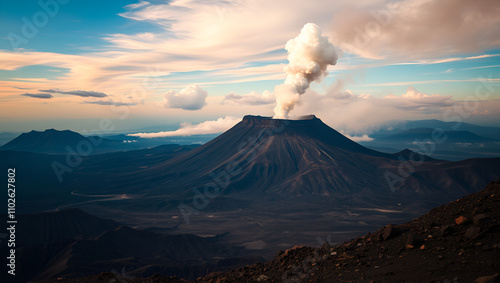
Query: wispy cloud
<point x="137" y="5"/>
<point x="38" y="95"/>
<point x="480" y="67"/>
<point x="448" y="60"/>
<point x="252" y="98"/>
<point x="482" y="80"/>
<point x="110" y="102"/>
<point x="82" y="93"/>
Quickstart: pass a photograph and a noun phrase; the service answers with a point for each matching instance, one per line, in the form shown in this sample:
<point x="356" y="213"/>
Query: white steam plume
<point x="188" y="129"/>
<point x="309" y="55"/>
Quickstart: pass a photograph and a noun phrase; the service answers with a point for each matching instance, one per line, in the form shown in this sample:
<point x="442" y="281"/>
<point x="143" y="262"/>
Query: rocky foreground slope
<point x="459" y="241"/>
<point x="456" y="242"/>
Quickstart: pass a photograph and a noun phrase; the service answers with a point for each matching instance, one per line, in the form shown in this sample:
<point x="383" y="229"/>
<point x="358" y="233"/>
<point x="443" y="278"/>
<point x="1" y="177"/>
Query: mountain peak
<point x="300" y="118"/>
<point x="261" y="121"/>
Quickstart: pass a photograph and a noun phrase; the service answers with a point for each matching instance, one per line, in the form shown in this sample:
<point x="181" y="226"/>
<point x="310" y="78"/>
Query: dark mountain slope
<point x="72" y="243"/>
<point x="52" y="141"/>
<point x="264" y="155"/>
<point x="289" y="158"/>
<point x="457" y="241"/>
<point x="70" y="223"/>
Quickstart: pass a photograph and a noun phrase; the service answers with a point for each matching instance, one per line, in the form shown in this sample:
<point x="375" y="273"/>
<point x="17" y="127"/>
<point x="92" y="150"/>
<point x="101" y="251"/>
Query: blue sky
<point x="141" y="54"/>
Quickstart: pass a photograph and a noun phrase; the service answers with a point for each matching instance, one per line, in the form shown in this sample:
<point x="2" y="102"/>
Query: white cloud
<point x="414" y="99"/>
<point x="358" y="114"/>
<point x="363" y="138"/>
<point x="188" y="129"/>
<point x="137" y="5"/>
<point x="418" y="29"/>
<point x="252" y="98"/>
<point x="191" y="97"/>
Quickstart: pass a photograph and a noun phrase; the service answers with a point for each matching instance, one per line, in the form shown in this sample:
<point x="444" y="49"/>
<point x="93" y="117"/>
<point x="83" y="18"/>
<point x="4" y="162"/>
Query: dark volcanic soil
<point x="456" y="242"/>
<point x="459" y="241"/>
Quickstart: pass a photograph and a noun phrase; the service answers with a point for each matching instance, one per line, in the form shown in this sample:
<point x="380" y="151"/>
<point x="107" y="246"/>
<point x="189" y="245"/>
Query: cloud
<point x="219" y="40"/>
<point x="137" y="5"/>
<point x="360" y="113"/>
<point x="38" y="95"/>
<point x="82" y="93"/>
<point x="252" y="98"/>
<point x="189" y="98"/>
<point x="414" y="29"/>
<point x="363" y="138"/>
<point x="188" y="129"/>
<point x="414" y="99"/>
<point x="110" y="102"/>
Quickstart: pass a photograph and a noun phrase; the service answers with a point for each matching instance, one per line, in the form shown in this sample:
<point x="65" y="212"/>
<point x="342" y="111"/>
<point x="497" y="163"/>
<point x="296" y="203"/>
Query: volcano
<point x="268" y="183"/>
<point x="263" y="157"/>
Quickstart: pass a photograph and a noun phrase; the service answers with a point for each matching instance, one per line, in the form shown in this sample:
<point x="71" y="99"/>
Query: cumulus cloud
<point x="188" y="129"/>
<point x="110" y="102"/>
<point x="191" y="97"/>
<point x="38" y="95"/>
<point x="82" y="93"/>
<point x="252" y="98"/>
<point x="417" y="29"/>
<point x="309" y="55"/>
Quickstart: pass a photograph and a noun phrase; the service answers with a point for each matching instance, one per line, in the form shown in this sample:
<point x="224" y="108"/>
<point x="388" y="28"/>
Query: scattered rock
<point x="460" y="220"/>
<point x="411" y="240"/>
<point x="388" y="232"/>
<point x="472" y="232"/>
<point x="488" y="279"/>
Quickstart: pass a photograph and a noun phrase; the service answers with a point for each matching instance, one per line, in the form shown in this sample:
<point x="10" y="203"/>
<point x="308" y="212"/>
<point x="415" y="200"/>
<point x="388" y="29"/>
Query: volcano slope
<point x="456" y="242"/>
<point x="278" y="183"/>
<point x="459" y="242"/>
<point x="265" y="157"/>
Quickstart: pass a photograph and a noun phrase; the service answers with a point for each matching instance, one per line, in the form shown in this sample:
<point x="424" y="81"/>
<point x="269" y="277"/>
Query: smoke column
<point x="309" y="55"/>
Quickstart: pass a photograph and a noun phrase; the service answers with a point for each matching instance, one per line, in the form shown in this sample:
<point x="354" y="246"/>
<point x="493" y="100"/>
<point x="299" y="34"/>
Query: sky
<point x="203" y="65"/>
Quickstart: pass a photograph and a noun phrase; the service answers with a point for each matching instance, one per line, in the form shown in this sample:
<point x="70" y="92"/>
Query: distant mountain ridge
<point x="54" y="141"/>
<point x="449" y="140"/>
